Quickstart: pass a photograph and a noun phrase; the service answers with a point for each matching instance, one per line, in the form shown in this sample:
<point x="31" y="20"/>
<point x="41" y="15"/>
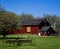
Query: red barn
<point x="37" y="26"/>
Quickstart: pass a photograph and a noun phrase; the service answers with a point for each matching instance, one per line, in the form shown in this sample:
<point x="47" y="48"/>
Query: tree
<point x="8" y="21"/>
<point x="27" y="16"/>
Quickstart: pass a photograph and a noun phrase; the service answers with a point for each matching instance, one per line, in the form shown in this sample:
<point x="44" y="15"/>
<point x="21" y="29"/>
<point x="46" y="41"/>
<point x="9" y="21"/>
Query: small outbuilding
<point x="47" y="30"/>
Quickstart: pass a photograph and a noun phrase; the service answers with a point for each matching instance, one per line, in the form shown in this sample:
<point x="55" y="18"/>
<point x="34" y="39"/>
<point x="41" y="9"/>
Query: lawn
<point x="39" y="42"/>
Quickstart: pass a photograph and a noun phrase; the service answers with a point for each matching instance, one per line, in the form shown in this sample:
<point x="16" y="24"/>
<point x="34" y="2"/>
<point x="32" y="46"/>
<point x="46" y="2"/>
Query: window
<point x="28" y="29"/>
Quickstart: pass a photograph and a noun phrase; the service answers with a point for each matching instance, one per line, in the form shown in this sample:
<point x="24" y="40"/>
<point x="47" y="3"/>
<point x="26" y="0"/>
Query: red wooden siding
<point x="34" y="29"/>
<point x="23" y="29"/>
<point x="14" y="32"/>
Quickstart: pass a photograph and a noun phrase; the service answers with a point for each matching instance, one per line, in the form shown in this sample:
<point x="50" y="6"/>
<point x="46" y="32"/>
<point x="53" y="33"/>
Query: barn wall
<point x="14" y="32"/>
<point x="34" y="30"/>
<point x="23" y="29"/>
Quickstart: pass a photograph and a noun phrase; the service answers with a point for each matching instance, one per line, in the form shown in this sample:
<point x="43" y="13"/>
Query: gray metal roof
<point x="31" y="22"/>
<point x="44" y="28"/>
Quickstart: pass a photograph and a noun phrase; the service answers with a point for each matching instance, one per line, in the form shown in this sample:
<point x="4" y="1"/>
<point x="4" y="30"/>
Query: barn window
<point x="28" y="29"/>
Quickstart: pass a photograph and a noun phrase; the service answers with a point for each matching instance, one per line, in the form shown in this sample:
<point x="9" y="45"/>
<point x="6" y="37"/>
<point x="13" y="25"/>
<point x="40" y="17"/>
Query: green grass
<point x="39" y="42"/>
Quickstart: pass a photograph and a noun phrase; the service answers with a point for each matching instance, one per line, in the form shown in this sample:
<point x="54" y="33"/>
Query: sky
<point x="35" y="7"/>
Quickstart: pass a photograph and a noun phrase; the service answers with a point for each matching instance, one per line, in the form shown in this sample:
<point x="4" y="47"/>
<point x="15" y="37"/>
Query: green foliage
<point x="26" y="16"/>
<point x="8" y="21"/>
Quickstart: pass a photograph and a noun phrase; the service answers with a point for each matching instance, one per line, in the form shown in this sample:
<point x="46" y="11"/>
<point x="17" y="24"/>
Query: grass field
<point x="39" y="42"/>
